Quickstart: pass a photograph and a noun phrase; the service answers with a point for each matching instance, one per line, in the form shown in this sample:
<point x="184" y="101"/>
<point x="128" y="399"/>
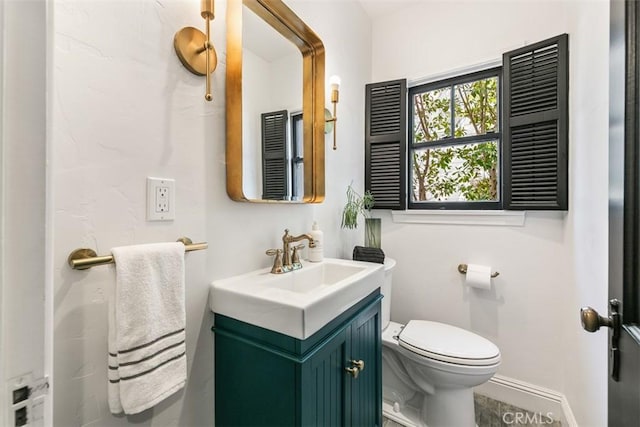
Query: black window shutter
<point x="274" y="155"/>
<point x="385" y="143"/>
<point x="536" y="132"/>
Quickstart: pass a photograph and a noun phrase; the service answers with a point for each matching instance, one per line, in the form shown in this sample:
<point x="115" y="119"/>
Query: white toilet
<point x="429" y="369"/>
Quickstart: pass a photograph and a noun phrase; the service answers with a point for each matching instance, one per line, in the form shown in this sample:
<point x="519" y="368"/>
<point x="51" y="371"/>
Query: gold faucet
<point x="288" y="259"/>
<point x="287" y="239"/>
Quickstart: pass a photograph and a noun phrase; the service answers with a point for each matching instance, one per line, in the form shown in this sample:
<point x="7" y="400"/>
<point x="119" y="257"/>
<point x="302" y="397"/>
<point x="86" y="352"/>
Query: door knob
<point x="592" y="321"/>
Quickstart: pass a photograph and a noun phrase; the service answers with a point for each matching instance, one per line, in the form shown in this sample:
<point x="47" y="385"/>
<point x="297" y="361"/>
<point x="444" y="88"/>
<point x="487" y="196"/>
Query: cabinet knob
<point x="358" y="364"/>
<point x="356" y="367"/>
<point x="353" y="372"/>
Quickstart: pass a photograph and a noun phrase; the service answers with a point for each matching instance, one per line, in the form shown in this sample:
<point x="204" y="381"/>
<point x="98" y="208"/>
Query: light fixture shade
<point x="335" y="81"/>
<point x="207" y="9"/>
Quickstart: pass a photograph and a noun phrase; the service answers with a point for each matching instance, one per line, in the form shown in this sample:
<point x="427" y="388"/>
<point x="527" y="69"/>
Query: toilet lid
<point x="448" y="343"/>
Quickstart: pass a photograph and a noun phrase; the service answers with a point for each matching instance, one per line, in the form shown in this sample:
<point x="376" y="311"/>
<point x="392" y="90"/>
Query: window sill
<point x="494" y="218"/>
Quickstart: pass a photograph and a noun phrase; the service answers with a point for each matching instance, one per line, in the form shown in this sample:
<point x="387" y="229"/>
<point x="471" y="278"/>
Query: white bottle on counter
<point x="315" y="253"/>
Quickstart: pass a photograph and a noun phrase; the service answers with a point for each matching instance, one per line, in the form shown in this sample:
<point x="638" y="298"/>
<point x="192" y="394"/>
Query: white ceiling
<point x="377" y="8"/>
<point x="267" y="43"/>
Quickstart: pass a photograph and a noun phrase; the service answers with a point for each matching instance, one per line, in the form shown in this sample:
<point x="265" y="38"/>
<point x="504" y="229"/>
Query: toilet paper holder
<point x="462" y="268"/>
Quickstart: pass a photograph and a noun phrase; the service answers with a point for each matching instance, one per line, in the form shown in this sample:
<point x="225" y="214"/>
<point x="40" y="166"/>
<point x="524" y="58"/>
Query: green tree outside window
<point x="463" y="172"/>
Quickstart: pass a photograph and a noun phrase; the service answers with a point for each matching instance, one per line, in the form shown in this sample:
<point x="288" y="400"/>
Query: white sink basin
<point x="297" y="303"/>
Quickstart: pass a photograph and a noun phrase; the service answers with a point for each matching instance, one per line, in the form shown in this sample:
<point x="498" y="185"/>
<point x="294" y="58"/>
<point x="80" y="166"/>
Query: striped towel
<point x="147" y="359"/>
<point x="362" y="253"/>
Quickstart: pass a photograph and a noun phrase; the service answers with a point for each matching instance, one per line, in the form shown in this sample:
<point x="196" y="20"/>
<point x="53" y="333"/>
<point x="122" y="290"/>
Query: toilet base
<point x="449" y="408"/>
<point x="409" y="416"/>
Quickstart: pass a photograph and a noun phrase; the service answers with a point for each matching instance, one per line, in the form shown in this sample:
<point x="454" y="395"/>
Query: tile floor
<point x="494" y="413"/>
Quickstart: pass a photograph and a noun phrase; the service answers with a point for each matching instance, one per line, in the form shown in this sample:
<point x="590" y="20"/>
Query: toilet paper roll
<point x="478" y="276"/>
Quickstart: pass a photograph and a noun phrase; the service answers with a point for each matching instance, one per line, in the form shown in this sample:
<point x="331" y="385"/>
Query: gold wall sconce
<point x="195" y="50"/>
<point x="330" y="120"/>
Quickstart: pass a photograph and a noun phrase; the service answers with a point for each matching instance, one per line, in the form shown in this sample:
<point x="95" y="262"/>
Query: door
<point x="624" y="220"/>
<point x="324" y="384"/>
<point x="342" y="382"/>
<point x="366" y="389"/>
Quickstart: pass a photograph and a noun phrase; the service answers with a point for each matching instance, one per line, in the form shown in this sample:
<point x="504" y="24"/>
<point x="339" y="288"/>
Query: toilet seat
<point x="448" y="343"/>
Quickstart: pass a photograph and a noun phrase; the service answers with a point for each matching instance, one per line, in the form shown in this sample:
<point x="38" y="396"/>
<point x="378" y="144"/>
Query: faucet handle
<point x="277" y="261"/>
<point x="295" y="257"/>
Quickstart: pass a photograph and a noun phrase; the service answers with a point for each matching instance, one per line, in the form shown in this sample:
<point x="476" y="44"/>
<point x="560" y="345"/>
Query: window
<point x="455" y="142"/>
<point x="496" y="139"/>
<point x="282" y="156"/>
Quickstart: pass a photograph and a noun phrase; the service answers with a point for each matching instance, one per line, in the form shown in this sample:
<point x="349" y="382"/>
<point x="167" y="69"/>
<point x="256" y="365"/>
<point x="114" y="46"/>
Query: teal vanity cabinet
<point x="265" y="378"/>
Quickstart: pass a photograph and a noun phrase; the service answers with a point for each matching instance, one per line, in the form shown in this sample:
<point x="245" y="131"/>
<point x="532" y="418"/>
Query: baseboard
<point x="531" y="397"/>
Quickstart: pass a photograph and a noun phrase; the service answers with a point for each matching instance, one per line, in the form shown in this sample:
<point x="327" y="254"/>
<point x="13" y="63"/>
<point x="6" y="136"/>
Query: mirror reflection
<point x="272" y="127"/>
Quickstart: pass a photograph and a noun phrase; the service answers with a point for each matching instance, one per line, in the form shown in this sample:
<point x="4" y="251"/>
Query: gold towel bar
<point x="462" y="268"/>
<point x="83" y="258"/>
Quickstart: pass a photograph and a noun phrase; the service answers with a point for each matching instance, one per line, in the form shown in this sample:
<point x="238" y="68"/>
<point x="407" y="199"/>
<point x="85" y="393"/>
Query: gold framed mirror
<point x="309" y="116"/>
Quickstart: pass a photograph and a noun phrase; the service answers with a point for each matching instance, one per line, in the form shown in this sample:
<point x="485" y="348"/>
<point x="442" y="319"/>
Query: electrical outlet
<point x="20" y="417"/>
<point x="26" y="401"/>
<point x="162" y="199"/>
<point x="161" y="196"/>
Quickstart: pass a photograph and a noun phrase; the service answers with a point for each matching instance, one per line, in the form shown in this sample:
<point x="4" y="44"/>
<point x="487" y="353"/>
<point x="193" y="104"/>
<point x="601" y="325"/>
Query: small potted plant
<point x="361" y="205"/>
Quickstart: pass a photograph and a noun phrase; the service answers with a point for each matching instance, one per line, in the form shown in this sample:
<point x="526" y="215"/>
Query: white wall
<point x="554" y="264"/>
<point x="124" y="108"/>
<point x="266" y="86"/>
<point x="255" y="100"/>
<point x="585" y="357"/>
<point x="22" y="194"/>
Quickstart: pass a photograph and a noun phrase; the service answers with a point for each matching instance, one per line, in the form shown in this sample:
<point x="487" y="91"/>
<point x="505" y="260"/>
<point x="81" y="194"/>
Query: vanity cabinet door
<point x="334" y="397"/>
<point x="253" y="386"/>
<point x="366" y="390"/>
<point x="266" y="379"/>
<point x="324" y="384"/>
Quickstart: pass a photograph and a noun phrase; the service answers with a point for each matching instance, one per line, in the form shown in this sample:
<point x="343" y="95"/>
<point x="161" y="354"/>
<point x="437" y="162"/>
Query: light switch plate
<point x="161" y="199"/>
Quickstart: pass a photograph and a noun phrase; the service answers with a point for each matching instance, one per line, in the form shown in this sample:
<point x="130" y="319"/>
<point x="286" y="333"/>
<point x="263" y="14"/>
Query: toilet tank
<point x="385" y="290"/>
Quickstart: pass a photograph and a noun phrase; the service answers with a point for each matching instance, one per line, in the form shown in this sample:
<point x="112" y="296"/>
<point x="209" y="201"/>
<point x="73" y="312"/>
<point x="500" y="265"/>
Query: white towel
<point x="147" y="359"/>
